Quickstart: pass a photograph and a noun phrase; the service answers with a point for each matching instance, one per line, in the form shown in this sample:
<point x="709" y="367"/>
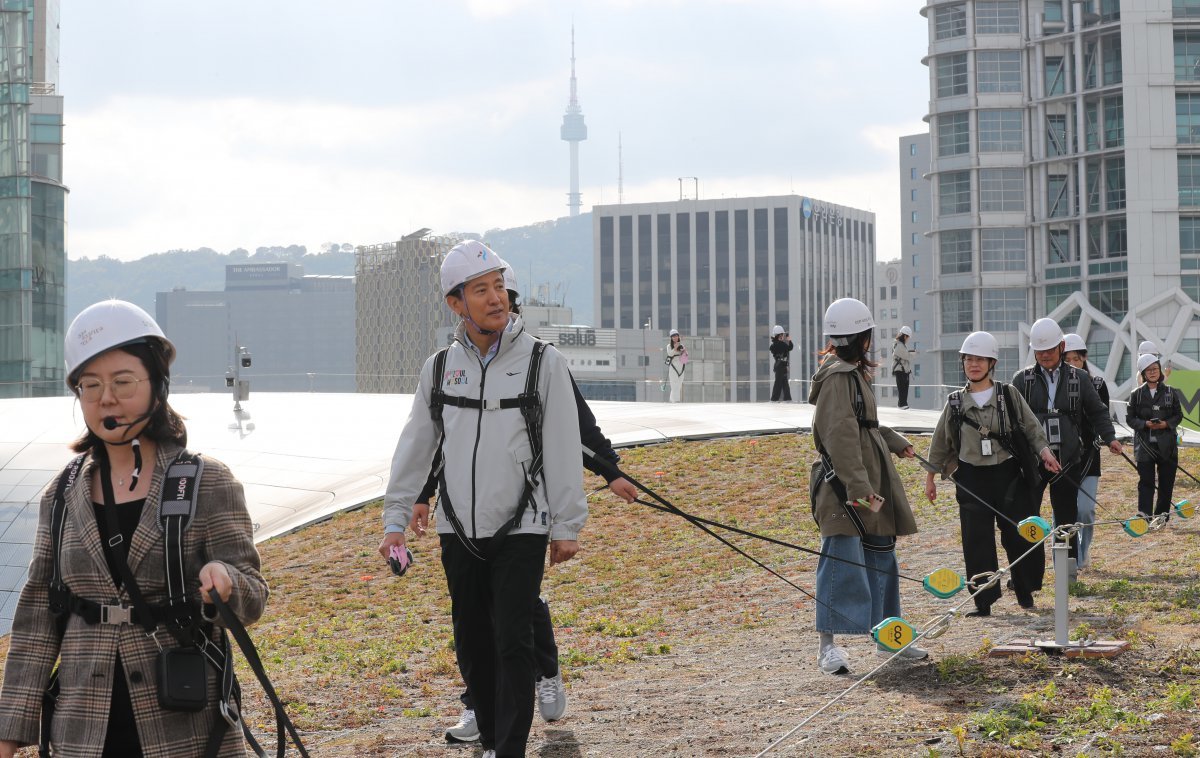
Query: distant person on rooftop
<point x="781" y="348"/>
<point x="902" y="366"/>
<point x="676" y="360"/>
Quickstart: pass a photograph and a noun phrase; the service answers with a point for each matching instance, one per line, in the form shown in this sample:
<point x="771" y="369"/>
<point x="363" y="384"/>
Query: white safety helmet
<point x="845" y="318"/>
<point x="776" y="330"/>
<point x="1147" y="348"/>
<point x="1045" y="334"/>
<point x="906" y="331"/>
<point x="1074" y="343"/>
<point x="1145" y="361"/>
<point x="982" y="344"/>
<point x="466" y="261"/>
<point x="510" y="277"/>
<point x="105" y="325"/>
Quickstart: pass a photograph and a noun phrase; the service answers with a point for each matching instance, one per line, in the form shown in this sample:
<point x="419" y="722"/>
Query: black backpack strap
<point x="1030" y="376"/>
<point x="1073" y="392"/>
<point x="860" y="404"/>
<point x="954" y="403"/>
<point x="59" y="594"/>
<point x="533" y="412"/>
<point x="177" y="507"/>
<point x="530" y="404"/>
<point x="438" y="399"/>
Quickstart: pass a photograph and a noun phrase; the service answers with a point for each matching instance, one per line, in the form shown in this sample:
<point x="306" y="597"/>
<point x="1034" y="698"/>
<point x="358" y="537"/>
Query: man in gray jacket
<point x="510" y="480"/>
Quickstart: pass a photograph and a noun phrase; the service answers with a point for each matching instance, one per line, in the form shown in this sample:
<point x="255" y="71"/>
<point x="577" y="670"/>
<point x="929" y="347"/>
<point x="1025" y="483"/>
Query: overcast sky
<point x="272" y="122"/>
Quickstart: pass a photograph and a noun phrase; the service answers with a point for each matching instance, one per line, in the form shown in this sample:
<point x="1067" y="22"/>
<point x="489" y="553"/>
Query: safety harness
<point x="179" y="615"/>
<point x="1141" y="403"/>
<point x="1066" y="442"/>
<point x="177" y="507"/>
<point x="826" y="474"/>
<point x="958" y="418"/>
<point x="529" y="403"/>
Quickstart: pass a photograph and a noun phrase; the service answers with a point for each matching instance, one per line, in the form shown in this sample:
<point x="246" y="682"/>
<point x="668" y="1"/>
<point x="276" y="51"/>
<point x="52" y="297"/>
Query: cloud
<point x="886" y="137"/>
<point x="154" y="174"/>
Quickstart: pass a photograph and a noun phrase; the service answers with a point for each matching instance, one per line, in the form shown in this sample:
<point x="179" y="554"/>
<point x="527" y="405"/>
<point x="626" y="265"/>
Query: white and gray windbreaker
<point x="486" y="451"/>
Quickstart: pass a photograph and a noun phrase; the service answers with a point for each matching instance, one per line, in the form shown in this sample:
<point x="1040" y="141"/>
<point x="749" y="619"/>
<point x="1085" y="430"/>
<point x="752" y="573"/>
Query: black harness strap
<point x="176" y="509"/>
<point x="529" y="403"/>
<point x="180" y="615"/>
<point x="59" y="596"/>
<point x="1003" y="433"/>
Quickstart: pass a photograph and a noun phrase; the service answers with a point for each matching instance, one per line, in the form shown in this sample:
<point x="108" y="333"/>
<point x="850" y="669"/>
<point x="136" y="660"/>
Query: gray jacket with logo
<point x="487" y="452"/>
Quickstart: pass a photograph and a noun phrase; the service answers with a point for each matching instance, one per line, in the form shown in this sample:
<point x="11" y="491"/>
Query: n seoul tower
<point x="574" y="131"/>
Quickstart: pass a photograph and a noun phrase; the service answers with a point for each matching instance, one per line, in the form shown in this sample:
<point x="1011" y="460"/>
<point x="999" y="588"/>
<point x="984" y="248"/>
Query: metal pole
<point x="1061" y="548"/>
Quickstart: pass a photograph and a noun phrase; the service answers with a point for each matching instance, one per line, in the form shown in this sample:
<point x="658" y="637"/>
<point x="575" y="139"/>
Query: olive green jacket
<point x="949" y="446"/>
<point x="861" y="456"/>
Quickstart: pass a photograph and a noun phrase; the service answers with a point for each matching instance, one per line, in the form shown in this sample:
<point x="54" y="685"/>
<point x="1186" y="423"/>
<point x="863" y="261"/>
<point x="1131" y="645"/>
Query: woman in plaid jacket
<point x="108" y="703"/>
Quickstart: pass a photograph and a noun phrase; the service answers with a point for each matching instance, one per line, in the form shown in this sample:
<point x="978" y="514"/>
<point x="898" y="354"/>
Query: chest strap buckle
<point x="116" y="614"/>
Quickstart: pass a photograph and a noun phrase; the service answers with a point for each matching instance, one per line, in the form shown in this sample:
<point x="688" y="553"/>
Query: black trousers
<point x="1064" y="500"/>
<point x="545" y="649"/>
<point x="492" y="607"/>
<point x="979" y="525"/>
<point x="902" y="388"/>
<point x="1166" y="468"/>
<point x="781" y="389"/>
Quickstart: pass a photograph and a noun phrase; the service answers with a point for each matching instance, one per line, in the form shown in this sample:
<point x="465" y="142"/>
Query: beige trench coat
<point x="221" y="530"/>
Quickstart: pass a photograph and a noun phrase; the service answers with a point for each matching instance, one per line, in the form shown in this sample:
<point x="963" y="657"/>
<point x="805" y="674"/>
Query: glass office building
<point x="1066" y="175"/>
<point x="32" y="202"/>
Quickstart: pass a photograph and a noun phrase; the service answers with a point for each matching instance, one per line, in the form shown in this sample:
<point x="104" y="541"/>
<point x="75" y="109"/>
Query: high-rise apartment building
<point x="732" y="268"/>
<point x="916" y="270"/>
<point x="1066" y="174"/>
<point x="401" y="314"/>
<point x="33" y="254"/>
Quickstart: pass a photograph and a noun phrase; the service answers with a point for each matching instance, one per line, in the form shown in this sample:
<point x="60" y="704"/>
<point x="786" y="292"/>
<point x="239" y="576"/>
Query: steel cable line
<point x="669" y="507"/>
<point x="930" y="467"/>
<point x="935" y="628"/>
<point x="666" y="506"/>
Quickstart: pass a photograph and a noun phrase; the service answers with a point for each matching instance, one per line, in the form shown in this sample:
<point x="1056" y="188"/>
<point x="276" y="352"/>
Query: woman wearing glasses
<point x="112" y="566"/>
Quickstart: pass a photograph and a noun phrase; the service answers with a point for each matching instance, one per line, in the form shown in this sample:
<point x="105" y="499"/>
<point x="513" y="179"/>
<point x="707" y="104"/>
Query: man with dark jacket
<point x="781" y="345"/>
<point x="1065" y="401"/>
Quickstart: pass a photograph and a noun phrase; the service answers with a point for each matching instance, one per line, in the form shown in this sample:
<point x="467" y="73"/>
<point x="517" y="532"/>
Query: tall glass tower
<point x="32" y="202"/>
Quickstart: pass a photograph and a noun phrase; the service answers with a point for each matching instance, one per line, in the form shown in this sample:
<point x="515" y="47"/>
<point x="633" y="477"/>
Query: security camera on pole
<point x="233" y="376"/>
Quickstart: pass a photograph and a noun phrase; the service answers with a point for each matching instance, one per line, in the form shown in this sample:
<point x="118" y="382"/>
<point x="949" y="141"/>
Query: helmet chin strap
<point x="472" y="322"/>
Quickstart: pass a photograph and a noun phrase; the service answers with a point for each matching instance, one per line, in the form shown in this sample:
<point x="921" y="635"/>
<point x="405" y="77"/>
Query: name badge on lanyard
<point x="985" y="444"/>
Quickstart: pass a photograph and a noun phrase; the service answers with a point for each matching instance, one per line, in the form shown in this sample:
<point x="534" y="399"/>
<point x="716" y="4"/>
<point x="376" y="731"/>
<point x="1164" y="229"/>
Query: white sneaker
<point x="489" y="754"/>
<point x="466" y="730"/>
<point x="910" y="653"/>
<point x="904" y="407"/>
<point x="552" y="697"/>
<point x="834" y="660"/>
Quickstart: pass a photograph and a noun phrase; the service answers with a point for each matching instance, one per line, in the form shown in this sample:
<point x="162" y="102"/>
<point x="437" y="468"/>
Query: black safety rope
<point x="667" y="506"/>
